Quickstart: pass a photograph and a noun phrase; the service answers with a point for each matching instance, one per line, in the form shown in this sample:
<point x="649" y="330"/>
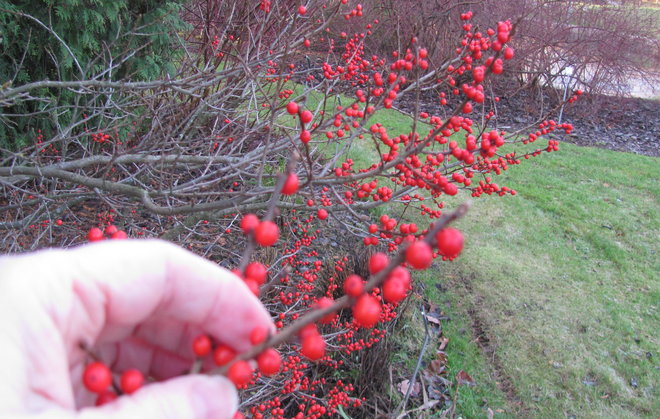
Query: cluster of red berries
<point x="111" y="231"/>
<point x="98" y="379"/>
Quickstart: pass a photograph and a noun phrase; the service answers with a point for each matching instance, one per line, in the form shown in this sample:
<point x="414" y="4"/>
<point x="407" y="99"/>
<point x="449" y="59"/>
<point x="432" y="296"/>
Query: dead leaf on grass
<point x="463" y="378"/>
<point x="432" y="319"/>
<point x="443" y="343"/>
<point x="404" y="385"/>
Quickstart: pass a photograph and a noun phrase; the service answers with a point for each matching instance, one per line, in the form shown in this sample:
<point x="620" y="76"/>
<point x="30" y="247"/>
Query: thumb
<point x="189" y="397"/>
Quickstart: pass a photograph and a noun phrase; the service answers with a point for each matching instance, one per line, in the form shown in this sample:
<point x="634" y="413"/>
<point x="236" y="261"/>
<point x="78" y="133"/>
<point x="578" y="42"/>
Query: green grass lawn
<point x="564" y="279"/>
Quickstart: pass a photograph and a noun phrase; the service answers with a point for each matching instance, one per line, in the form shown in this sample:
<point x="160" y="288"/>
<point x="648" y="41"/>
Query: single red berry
<point x="394" y="290"/>
<point x="401" y="274"/>
<point x="479" y="73"/>
<point x="105" y="397"/>
<point x="110" y="230"/>
<point x="450" y="242"/>
<point x="322" y="214"/>
<point x="302" y="10"/>
<point x="508" y="53"/>
<point x="313" y="347"/>
<point x="252" y="285"/>
<point x="324" y="302"/>
<point x="94" y="234"/>
<point x="291" y="185"/>
<point x="309" y="329"/>
<point x="240" y="373"/>
<point x="306" y="116"/>
<point x="377" y="262"/>
<point x="119" y="235"/>
<point x="249" y="223"/>
<point x="97" y="377"/>
<point x="269" y="362"/>
<point x="366" y="311"/>
<point x="59" y="222"/>
<point x="131" y="381"/>
<point x="419" y="255"/>
<point x="266" y="233"/>
<point x="256" y="271"/>
<point x="292" y="108"/>
<point x="258" y="335"/>
<point x="305" y="136"/>
<point x="354" y="285"/>
<point x="223" y="354"/>
<point x="201" y="346"/>
<point x="238" y="415"/>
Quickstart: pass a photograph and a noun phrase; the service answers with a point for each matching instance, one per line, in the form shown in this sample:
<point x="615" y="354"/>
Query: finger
<point x="193" y="397"/>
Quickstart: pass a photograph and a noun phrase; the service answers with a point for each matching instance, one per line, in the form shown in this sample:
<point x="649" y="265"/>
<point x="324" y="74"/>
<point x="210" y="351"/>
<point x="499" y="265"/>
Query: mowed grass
<point x="565" y="279"/>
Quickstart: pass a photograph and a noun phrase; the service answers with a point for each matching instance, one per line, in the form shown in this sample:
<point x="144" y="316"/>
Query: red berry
<point x="302" y="10"/>
<point x="240" y="373"/>
<point x="309" y="329"/>
<point x="292" y="108"/>
<point x="306" y="116"/>
<point x="419" y="255"/>
<point x="322" y="214"/>
<point x="366" y="311"/>
<point x="105" y="397"/>
<point x="450" y="242"/>
<point x="223" y="354"/>
<point x="291" y="185"/>
<point x="252" y="285"/>
<point x="95" y="234"/>
<point x="324" y="302"/>
<point x="269" y="362"/>
<point x="305" y="136"/>
<point x="256" y="271"/>
<point x="377" y="262"/>
<point x="479" y="73"/>
<point x="131" y="381"/>
<point x="249" y="223"/>
<point x="508" y="53"/>
<point x="313" y="347"/>
<point x="201" y="346"/>
<point x="354" y="285"/>
<point x="110" y="230"/>
<point x="394" y="290"/>
<point x="258" y="335"/>
<point x="119" y="235"/>
<point x="266" y="233"/>
<point x="97" y="377"/>
<point x="59" y="222"/>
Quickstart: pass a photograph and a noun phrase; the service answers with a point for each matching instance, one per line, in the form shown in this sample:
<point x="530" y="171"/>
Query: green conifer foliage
<point x="69" y="40"/>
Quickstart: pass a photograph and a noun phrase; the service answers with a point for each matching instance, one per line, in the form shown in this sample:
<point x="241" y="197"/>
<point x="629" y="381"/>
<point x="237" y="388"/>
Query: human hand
<point x="135" y="304"/>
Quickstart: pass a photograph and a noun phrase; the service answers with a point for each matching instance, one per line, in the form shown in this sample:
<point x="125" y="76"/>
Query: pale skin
<point x="135" y="304"/>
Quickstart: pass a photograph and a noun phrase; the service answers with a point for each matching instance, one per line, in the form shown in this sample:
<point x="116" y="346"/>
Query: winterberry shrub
<point x="260" y="153"/>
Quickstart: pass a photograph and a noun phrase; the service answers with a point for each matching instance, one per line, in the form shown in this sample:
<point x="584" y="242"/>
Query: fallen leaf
<point x="404" y="385"/>
<point x="463" y="378"/>
<point x="443" y="343"/>
<point x="437" y="367"/>
<point x="491" y="414"/>
<point x="432" y="319"/>
<point x="441" y="356"/>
